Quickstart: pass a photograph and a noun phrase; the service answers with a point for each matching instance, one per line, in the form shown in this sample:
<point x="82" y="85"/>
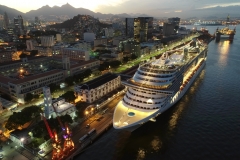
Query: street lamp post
<point x="21" y="143"/>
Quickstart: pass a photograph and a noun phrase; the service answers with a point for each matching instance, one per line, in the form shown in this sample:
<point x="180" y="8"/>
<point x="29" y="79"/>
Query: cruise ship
<point x="207" y="23"/>
<point x="158" y="84"/>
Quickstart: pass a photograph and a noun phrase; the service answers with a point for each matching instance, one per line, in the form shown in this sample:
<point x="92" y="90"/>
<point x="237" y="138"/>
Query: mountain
<point x="68" y="11"/>
<point x="10" y="12"/>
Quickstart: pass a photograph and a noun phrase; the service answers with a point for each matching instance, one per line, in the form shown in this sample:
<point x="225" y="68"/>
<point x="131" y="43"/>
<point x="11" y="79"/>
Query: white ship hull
<point x="174" y="100"/>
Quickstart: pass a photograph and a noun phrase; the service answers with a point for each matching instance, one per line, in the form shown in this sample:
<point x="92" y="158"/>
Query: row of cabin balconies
<point x="144" y="101"/>
<point x="151" y="70"/>
<point x="141" y="106"/>
<point x="151" y="81"/>
<point x="142" y="95"/>
<point x="154" y="75"/>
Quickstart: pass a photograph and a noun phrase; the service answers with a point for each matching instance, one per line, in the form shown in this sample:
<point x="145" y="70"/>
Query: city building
<point x="89" y="37"/>
<point x="75" y="53"/>
<point x="174" y="21"/>
<point x="130" y="46"/>
<point x="117" y="41"/>
<point x="44" y="51"/>
<point x="18" y="25"/>
<point x="129" y="27"/>
<point x="56" y="107"/>
<point x="139" y="28"/>
<point x="168" y="29"/>
<point x="100" y="41"/>
<point x="58" y="37"/>
<point x="47" y="41"/>
<point x="83" y="45"/>
<point x="37" y="21"/>
<point x="6" y="21"/>
<point x="111" y="57"/>
<point x="7" y="105"/>
<point x="6" y="55"/>
<point x="108" y="32"/>
<point x="29" y="45"/>
<point x="183" y="31"/>
<point x="83" y="65"/>
<point x="97" y="88"/>
<point x="29" y="75"/>
<point x="1" y="22"/>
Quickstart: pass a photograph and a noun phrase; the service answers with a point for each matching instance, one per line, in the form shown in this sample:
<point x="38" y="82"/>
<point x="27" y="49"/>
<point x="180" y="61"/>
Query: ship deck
<point x="124" y="116"/>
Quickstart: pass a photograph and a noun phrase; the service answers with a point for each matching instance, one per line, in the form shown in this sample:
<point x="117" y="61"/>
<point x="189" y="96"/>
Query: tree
<point x="69" y="96"/>
<point x="28" y="97"/>
<point x="39" y="131"/>
<point x="133" y="56"/>
<point x="115" y="64"/>
<point x="81" y="106"/>
<point x="66" y="119"/>
<point x="125" y="59"/>
<point x="53" y="87"/>
<point x="69" y="80"/>
<point x="18" y="119"/>
<point x="87" y="73"/>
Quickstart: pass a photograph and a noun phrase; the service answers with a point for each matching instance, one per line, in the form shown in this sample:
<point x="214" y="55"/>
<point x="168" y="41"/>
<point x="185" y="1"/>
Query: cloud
<point x="219" y="5"/>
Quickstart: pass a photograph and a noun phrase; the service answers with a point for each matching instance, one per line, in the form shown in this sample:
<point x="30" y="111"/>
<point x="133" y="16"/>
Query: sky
<point x="123" y="6"/>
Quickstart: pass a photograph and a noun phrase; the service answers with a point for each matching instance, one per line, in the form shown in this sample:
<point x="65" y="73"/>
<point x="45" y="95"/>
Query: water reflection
<point x="223" y="49"/>
<point x="156" y="144"/>
<point x="185" y="100"/>
<point x="141" y="154"/>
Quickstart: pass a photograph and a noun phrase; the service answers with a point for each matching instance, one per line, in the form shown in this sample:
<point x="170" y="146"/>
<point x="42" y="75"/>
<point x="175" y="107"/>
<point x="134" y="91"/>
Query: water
<point x="204" y="124"/>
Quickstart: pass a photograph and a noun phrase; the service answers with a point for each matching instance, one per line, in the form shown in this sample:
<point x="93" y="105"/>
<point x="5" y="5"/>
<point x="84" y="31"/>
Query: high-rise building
<point x="139" y="28"/>
<point x="175" y="21"/>
<point x="29" y="45"/>
<point x="6" y="21"/>
<point x="58" y="37"/>
<point x="37" y="20"/>
<point x="130" y="27"/>
<point x="47" y="41"/>
<point x="1" y="21"/>
<point x="48" y="108"/>
<point x="18" y="25"/>
<point x="168" y="29"/>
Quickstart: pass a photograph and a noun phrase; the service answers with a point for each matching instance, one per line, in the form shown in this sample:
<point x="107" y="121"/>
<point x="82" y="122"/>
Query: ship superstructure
<point x="159" y="84"/>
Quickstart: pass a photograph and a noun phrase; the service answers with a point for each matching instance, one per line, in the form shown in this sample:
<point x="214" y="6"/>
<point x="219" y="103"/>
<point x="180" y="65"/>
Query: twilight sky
<point x="123" y="6"/>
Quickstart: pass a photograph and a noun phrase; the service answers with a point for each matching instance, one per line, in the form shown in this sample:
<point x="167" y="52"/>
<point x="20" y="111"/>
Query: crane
<point x="68" y="143"/>
<point x="56" y="143"/>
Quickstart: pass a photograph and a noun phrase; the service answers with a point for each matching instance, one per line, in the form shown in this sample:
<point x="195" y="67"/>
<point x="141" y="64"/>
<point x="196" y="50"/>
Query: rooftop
<point x="98" y="81"/>
<point x="26" y="79"/>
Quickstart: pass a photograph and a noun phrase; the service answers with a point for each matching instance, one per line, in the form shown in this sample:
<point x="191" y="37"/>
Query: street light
<point x="22" y="139"/>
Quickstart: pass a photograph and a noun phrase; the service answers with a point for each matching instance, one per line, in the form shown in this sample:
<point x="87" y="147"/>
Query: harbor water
<point x="203" y="125"/>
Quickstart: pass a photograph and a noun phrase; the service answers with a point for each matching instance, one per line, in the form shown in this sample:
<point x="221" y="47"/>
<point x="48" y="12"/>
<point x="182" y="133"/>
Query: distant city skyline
<point x="150" y="7"/>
